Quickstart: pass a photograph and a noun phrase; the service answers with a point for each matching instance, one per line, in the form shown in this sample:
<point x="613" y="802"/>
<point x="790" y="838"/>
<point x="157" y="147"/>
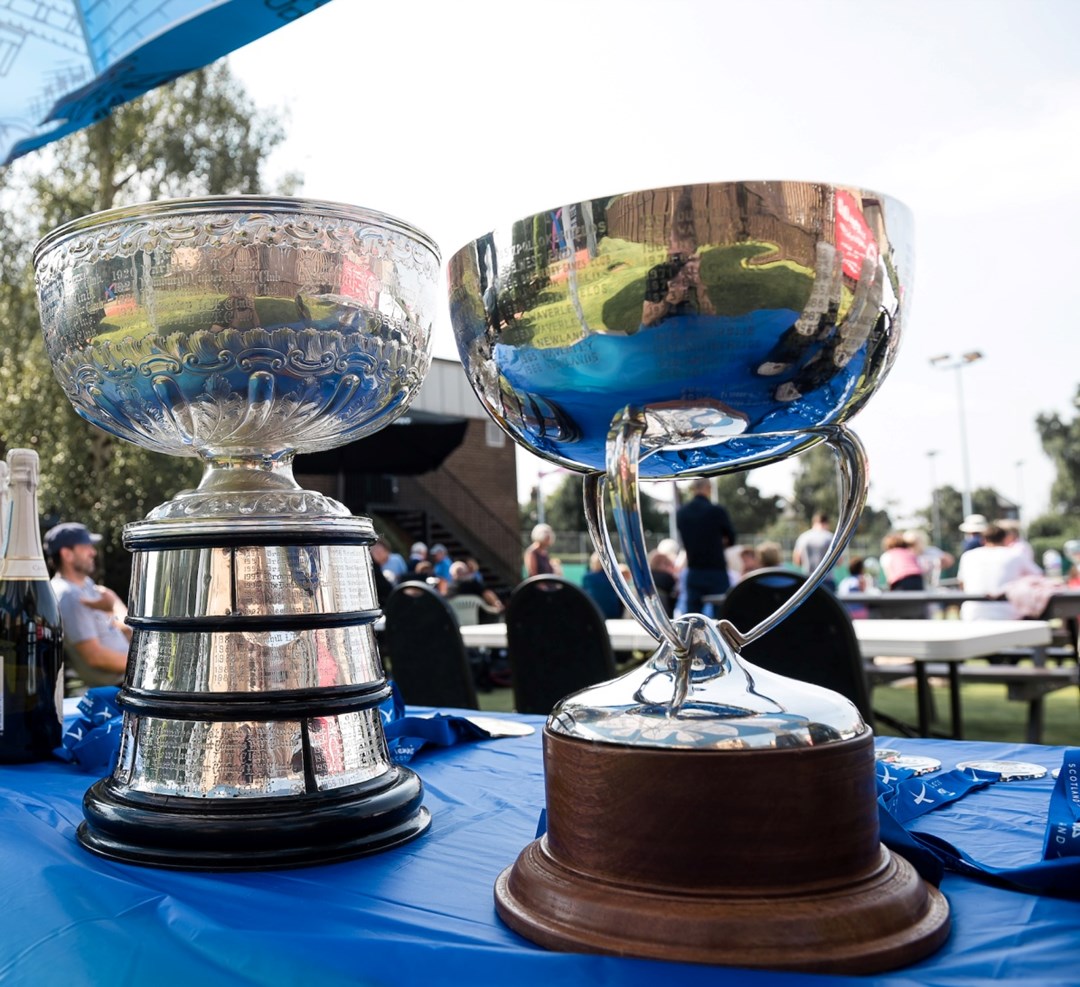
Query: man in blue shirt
<point x="706" y="530"/>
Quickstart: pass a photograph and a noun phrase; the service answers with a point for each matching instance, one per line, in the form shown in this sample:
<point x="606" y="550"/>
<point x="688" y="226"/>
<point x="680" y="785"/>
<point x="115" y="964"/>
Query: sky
<point x="461" y="117"/>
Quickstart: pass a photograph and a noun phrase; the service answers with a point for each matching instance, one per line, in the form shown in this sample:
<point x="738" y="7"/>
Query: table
<point x="920" y="640"/>
<point x="1063" y="604"/>
<point x="422" y="914"/>
<point x="949" y="641"/>
<point x="908" y="603"/>
<point x="626" y="635"/>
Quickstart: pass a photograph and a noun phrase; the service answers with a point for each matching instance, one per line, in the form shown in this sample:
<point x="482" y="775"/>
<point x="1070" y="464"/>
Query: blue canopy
<point x="65" y="63"/>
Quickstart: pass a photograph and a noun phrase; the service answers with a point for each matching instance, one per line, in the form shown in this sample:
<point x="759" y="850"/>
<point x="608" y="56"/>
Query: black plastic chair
<point x="426" y="655"/>
<point x="558" y="642"/>
<point x="816" y="644"/>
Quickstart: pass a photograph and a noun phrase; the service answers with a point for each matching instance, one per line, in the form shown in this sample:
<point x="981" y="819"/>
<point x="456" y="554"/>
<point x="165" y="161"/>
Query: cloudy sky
<point x="459" y="117"/>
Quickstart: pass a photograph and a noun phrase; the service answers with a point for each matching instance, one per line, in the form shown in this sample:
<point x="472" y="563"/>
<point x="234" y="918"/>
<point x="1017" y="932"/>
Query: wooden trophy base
<point x="757" y="858"/>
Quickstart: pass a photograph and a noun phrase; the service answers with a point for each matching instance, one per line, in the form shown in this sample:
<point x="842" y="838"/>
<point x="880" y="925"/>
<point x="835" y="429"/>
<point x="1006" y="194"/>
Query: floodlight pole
<point x="935" y="507"/>
<point x="946" y="362"/>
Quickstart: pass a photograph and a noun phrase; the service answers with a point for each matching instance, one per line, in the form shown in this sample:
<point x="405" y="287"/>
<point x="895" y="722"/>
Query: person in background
<point x="1016" y="541"/>
<point x="706" y="530"/>
<point x="425" y="573"/>
<point x="856" y="581"/>
<point x="972" y="527"/>
<point x="465" y="581"/>
<point x="749" y="559"/>
<point x="596" y="583"/>
<point x="538" y="560"/>
<point x="733" y="558"/>
<point x="900" y="564"/>
<point x="417" y="553"/>
<point x="383" y="579"/>
<point x="812" y="544"/>
<point x="395" y="568"/>
<point x="932" y="560"/>
<point x="96" y="640"/>
<point x="441" y="562"/>
<point x="1072" y="553"/>
<point x="988" y="570"/>
<point x="770" y="554"/>
<point x="665" y="578"/>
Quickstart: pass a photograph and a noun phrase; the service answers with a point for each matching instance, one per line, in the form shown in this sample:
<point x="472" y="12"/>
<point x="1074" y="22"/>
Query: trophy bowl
<point x="680" y="332"/>
<point x="243" y="330"/>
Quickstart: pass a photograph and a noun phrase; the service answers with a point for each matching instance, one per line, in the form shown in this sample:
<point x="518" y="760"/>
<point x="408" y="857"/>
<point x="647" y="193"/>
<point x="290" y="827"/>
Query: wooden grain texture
<point x="746" y="858"/>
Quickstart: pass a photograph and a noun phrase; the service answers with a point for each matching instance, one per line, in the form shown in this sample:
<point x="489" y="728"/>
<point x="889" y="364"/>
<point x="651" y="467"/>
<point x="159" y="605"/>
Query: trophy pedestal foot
<point x="162" y="831"/>
<point x="759" y="858"/>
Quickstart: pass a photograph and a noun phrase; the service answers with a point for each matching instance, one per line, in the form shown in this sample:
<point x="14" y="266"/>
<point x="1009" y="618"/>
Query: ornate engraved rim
<point x="240" y="205"/>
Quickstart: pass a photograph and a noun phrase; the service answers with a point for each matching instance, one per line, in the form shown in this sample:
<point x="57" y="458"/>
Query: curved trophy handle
<point x="854" y="483"/>
<point x="639" y="594"/>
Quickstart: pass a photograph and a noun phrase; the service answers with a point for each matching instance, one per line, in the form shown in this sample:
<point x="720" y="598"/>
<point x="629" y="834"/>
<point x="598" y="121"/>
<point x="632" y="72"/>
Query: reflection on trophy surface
<point x="243" y="330"/>
<point x="676" y="332"/>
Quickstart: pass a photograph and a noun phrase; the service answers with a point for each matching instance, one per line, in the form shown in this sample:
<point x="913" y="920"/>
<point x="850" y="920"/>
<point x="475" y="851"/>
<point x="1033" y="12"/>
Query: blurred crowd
<point x="434" y="566"/>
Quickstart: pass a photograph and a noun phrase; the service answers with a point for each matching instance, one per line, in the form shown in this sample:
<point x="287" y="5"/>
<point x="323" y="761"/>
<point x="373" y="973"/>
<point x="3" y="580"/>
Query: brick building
<point x="443" y="472"/>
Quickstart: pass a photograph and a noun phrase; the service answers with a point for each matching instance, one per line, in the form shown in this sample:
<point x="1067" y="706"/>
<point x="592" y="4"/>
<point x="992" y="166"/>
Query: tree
<point x="1061" y="442"/>
<point x="200" y="135"/>
<point x="816" y="490"/>
<point x="950" y="503"/>
<point x="815" y="485"/>
<point x="564" y="510"/>
<point x="751" y="512"/>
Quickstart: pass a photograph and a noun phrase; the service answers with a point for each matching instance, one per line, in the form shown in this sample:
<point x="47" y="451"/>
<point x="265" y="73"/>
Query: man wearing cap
<point x="440" y="559"/>
<point x="95" y="641"/>
<point x="973" y="527"/>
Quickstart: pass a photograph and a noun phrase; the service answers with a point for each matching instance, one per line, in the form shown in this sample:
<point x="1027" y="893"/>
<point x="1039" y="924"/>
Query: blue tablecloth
<point x="422" y="914"/>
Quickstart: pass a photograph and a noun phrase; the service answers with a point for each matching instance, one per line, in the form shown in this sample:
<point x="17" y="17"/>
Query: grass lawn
<point x="988" y="714"/>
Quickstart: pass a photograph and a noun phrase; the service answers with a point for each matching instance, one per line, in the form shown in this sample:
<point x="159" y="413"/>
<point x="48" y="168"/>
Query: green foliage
<point x="197" y="136"/>
<point x="815" y="486"/>
<point x="1061" y="442"/>
<point x="950" y="510"/>
<point x="564" y="510"/>
<point x="751" y="512"/>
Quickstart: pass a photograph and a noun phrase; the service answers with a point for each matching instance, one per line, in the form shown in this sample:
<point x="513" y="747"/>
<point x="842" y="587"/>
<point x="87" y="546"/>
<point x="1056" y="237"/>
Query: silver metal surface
<point x="199" y="760"/>
<point x="348" y="749"/>
<point x="243" y="330"/>
<point x="706" y="698"/>
<point x="685" y="331"/>
<point x="194" y="759"/>
<point x="734" y="316"/>
<point x="253" y="661"/>
<point x="252" y="581"/>
<point x="234" y="326"/>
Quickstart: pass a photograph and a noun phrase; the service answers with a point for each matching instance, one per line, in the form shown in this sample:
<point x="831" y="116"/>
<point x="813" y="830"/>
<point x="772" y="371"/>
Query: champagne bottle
<point x="31" y="644"/>
<point x="4" y="506"/>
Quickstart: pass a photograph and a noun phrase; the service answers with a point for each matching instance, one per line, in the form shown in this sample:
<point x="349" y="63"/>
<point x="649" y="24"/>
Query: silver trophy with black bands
<point x="700" y="808"/>
<point x="243" y="330"/>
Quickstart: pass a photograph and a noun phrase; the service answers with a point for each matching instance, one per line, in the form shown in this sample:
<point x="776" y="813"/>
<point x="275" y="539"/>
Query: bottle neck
<point x="5" y="504"/>
<point x="23" y="556"/>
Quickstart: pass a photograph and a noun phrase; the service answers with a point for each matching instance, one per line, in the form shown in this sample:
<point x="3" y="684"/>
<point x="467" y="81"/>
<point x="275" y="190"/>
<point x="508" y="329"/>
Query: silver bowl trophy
<point x="700" y="808"/>
<point x="243" y="330"/>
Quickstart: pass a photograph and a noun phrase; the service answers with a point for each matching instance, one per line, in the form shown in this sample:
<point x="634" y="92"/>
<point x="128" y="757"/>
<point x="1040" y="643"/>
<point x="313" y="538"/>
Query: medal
<point x="1009" y="770"/>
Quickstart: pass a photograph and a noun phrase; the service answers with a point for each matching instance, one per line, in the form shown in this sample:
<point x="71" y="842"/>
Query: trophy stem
<point x="230" y="470"/>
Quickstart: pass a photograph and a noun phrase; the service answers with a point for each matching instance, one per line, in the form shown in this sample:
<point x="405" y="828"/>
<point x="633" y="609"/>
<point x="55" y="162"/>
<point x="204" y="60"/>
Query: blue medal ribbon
<point x="911" y="795"/>
<point x="1063" y="827"/>
<point x="903" y="797"/>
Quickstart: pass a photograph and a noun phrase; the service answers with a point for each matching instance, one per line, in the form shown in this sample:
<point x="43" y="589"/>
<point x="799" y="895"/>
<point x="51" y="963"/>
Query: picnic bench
<point x="1024" y="683"/>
